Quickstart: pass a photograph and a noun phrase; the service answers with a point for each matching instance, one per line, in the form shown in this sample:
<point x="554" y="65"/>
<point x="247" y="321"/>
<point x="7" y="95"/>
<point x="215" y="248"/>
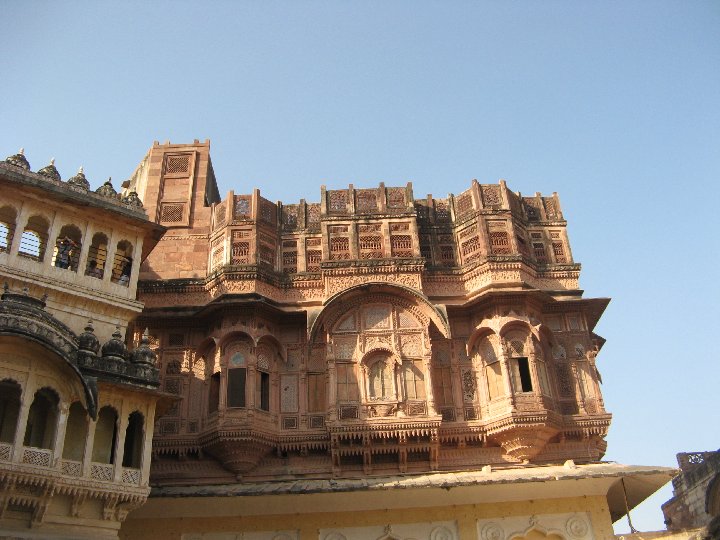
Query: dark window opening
<point x="236" y="387"/>
<point x="264" y="383"/>
<point x="214" y="394"/>
<point x="9" y="410"/>
<point x="524" y="370"/>
<point x="42" y="420"/>
<point x="132" y="452"/>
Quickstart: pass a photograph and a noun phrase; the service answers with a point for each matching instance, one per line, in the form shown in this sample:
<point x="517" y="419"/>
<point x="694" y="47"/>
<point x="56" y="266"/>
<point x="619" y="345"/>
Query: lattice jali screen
<point x="218" y="256"/>
<point x="240" y="253"/>
<point x="290" y="422"/>
<point x="539" y="251"/>
<point x="337" y="201"/>
<point x="71" y="468"/>
<point x="5" y="450"/>
<point x="470" y="249"/>
<point x="178" y="164"/>
<point x="317" y="422"/>
<point x="268" y="211"/>
<point x="396" y="198"/>
<point x="447" y="255"/>
<point x="463" y="204"/>
<point x="347" y="413"/>
<point x="172" y="212"/>
<point x="290" y="261"/>
<point x="339" y="248"/>
<point x="366" y="201"/>
<point x="37" y="456"/>
<point x="401" y="245"/>
<point x="99" y="471"/>
<point x="499" y="243"/>
<point x="559" y="252"/>
<point x="491" y="195"/>
<point x="442" y="210"/>
<point x="312" y="260"/>
<point x="220" y="214"/>
<point x="131" y="476"/>
<point x="371" y="246"/>
<point x="242" y="207"/>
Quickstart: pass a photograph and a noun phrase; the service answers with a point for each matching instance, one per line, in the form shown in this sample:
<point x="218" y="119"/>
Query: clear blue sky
<point x="615" y="105"/>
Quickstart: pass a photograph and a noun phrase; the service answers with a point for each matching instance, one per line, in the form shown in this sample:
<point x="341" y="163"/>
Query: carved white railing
<point x="37" y="456"/>
<point x="71" y="468"/>
<point x="131" y="476"/>
<point x="5" y="451"/>
<point x="101" y="471"/>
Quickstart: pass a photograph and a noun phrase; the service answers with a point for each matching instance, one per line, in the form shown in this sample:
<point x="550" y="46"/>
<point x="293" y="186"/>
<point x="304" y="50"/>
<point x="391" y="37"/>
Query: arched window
<point x="42" y="419"/>
<point x="75" y="433"/>
<point x="9" y="410"/>
<point x="123" y="263"/>
<point x="132" y="453"/>
<point x="493" y="372"/>
<point x="380" y="378"/>
<point x="97" y="253"/>
<point x="236" y="378"/>
<point x="105" y="435"/>
<point x="33" y="241"/>
<point x="67" y="248"/>
<point x="8" y="216"/>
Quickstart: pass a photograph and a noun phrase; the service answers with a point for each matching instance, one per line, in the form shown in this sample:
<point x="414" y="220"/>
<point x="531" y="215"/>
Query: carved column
<point x="89" y="444"/>
<point x="579" y="390"/>
<point x="331" y="390"/>
<point x="505" y="371"/>
<point x="52" y="237"/>
<point x="20" y="222"/>
<point x="25" y="402"/>
<point x="58" y="443"/>
<point x="120" y="445"/>
<point x="429" y="394"/>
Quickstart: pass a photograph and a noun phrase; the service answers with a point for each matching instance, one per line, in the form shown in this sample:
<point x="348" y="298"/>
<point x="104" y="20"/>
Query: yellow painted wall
<point x="466" y="517"/>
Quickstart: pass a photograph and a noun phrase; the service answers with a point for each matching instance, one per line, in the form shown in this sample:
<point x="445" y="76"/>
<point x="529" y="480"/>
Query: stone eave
<point x="421" y="490"/>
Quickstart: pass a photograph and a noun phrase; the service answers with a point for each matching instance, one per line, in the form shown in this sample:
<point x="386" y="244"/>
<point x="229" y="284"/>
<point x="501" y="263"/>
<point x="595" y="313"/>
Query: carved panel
<point x="377" y="317"/>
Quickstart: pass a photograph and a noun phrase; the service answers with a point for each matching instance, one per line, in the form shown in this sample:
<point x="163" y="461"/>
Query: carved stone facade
<point x="323" y="364"/>
<point x="395" y="334"/>
<point x="696" y="493"/>
<point x="76" y="419"/>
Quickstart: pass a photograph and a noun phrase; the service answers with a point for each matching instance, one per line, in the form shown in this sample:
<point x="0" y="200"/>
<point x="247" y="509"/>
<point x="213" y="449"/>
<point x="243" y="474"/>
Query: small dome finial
<point x="52" y="161"/>
<point x="80" y="170"/>
<point x="22" y="152"/>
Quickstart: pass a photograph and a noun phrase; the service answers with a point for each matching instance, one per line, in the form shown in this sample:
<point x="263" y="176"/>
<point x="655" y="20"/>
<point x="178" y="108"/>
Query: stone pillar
<point x="53" y="231"/>
<point x="20" y="222"/>
<point x="59" y="442"/>
<point x="84" y="250"/>
<point x="505" y="368"/>
<point x="120" y="445"/>
<point x="147" y="445"/>
<point x="26" y="400"/>
<point x="89" y="443"/>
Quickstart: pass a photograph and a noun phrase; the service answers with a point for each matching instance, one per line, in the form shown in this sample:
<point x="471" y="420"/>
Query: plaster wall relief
<point x="433" y="530"/>
<point x="563" y="526"/>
